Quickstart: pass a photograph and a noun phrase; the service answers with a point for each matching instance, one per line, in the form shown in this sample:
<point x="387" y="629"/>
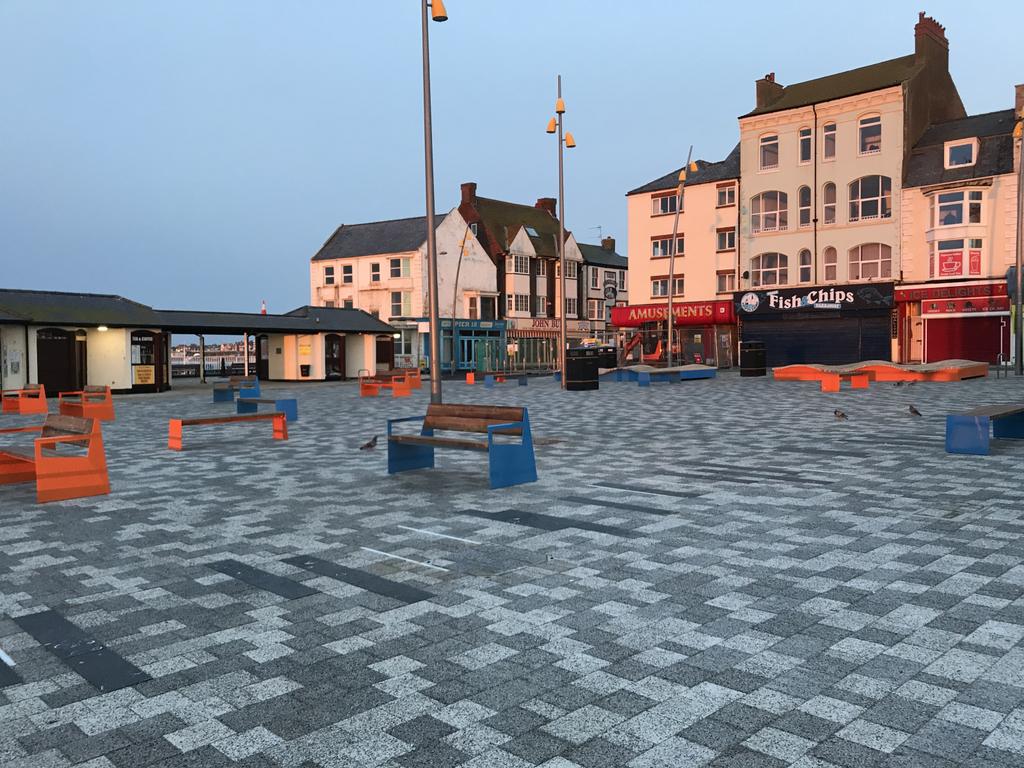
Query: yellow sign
<point x="305" y="349"/>
<point x="143" y="374"/>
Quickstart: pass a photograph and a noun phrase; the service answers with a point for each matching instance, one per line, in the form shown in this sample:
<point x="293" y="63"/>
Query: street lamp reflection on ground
<point x="437" y="13"/>
<point x="555" y="125"/>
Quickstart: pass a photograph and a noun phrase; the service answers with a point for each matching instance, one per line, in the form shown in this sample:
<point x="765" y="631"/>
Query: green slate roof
<point x="850" y="83"/>
<point x="595" y="255"/>
<point x="84" y="309"/>
<point x="504" y="220"/>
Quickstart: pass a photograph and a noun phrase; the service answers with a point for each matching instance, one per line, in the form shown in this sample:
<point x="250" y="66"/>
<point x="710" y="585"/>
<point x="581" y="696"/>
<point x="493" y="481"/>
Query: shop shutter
<point x="828" y="341"/>
<point x="967" y="338"/>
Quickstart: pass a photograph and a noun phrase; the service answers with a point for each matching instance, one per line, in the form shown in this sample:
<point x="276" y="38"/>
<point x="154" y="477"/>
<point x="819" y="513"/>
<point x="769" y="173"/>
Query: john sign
<point x="839" y="297"/>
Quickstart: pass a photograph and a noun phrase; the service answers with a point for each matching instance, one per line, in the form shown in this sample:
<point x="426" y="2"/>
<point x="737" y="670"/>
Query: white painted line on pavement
<point x="6" y="659"/>
<point x="408" y="560"/>
<point x="435" y="533"/>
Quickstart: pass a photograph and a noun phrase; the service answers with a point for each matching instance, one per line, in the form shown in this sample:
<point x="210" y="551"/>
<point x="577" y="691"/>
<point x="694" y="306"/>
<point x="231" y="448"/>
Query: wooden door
<point x="57" y="365"/>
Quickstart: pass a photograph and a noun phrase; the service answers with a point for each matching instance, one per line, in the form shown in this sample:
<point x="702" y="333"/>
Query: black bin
<point x="581" y="368"/>
<point x="752" y="358"/>
<point x="607" y="356"/>
<point x="304" y="370"/>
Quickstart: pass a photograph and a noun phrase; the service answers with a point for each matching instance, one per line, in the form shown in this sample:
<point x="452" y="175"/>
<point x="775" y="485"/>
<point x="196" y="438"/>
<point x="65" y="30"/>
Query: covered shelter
<point x="65" y="341"/>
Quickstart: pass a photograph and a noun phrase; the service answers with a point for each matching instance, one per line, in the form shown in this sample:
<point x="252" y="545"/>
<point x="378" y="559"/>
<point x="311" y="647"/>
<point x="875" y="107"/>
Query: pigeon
<point x="913" y="411"/>
<point x="373" y="444"/>
<point x="911" y="383"/>
<point x="840" y="415"/>
<point x="897" y="383"/>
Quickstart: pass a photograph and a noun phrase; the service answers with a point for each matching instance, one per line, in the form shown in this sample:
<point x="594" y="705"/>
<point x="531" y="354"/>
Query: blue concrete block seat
<point x="645" y="375"/>
<point x="289" y="406"/>
<point x="968" y="432"/>
<point x="509" y="463"/>
<point x="245" y="386"/>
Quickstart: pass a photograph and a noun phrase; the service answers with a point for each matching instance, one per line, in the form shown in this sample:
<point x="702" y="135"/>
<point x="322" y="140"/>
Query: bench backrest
<point x="472" y="418"/>
<point x="58" y="425"/>
<point x="94" y="389"/>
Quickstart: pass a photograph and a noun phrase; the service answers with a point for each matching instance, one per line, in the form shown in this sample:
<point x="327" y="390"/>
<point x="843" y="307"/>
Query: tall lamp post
<point x="672" y="248"/>
<point x="437" y="13"/>
<point x="555" y="124"/>
<point x="1018" y="321"/>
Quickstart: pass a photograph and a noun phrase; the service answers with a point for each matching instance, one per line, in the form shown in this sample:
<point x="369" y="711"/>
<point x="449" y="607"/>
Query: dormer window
<point x="531" y="232"/>
<point x="960" y="154"/>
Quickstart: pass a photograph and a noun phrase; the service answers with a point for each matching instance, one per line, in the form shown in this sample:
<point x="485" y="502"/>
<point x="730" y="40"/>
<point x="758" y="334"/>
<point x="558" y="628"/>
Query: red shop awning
<point x="683" y="312"/>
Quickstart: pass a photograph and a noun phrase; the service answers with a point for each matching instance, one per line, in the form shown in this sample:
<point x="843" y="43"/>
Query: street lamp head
<point x="438" y="11"/>
<point x="693" y="166"/>
<point x="570" y="142"/>
<point x="559" y="106"/>
<point x="682" y="176"/>
<point x="552" y="124"/>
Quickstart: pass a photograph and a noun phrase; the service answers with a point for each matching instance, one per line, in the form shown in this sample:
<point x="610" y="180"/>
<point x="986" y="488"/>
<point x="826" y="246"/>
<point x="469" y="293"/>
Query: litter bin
<point x="581" y="368"/>
<point x="607" y="356"/>
<point x="304" y="370"/>
<point x="752" y="358"/>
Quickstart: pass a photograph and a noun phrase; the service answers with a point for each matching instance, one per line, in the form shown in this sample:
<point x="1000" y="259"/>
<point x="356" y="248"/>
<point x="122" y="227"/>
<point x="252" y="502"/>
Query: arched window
<point x="869" y="134"/>
<point x="828" y="194"/>
<point x="805" y="145"/>
<point x="805" y="266"/>
<point x="769" y="212"/>
<point x="803" y="196"/>
<point x="768" y="152"/>
<point x="870" y="261"/>
<point x="769" y="269"/>
<point x="830" y="260"/>
<point x="828" y="141"/>
<point x="871" y="198"/>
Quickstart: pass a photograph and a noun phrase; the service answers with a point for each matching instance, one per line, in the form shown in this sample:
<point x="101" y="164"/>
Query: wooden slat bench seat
<point x="289" y="406"/>
<point x="968" y="432"/>
<point x="25" y="401"/>
<point x="398" y="383"/>
<point x="508" y="463"/>
<point x="245" y="386"/>
<point x="174" y="426"/>
<point x="89" y="403"/>
<point x="58" y="474"/>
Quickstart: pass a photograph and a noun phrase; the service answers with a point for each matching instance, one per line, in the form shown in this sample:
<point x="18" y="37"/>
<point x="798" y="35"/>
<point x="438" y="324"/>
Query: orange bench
<point x="58" y="475"/>
<point x="829" y="379"/>
<point x="370" y="386"/>
<point x="89" y="403"/>
<point x="174" y="426"/>
<point x="29" y="399"/>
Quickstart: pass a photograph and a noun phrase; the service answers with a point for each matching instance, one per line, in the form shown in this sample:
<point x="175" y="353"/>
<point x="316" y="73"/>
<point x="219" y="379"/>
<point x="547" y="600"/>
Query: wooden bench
<point x="89" y="403"/>
<point x="289" y="406"/>
<point x="968" y="432"/>
<point x="28" y="400"/>
<point x="245" y="386"/>
<point x="174" y="426"/>
<point x="59" y="475"/>
<point x="508" y="463"/>
<point x="370" y="386"/>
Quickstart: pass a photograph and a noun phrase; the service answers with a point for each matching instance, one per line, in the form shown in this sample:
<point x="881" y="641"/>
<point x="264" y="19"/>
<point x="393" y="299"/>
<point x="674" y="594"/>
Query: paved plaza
<point x="707" y="573"/>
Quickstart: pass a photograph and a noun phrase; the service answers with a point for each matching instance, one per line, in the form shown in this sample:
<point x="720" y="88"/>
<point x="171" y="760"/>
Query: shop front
<point x="533" y="341"/>
<point x="703" y="332"/>
<point x="954" y="321"/>
<point x="463" y="341"/>
<point x="830" y="325"/>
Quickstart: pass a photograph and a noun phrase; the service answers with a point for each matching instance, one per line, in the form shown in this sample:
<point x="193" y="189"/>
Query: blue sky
<point x="196" y="153"/>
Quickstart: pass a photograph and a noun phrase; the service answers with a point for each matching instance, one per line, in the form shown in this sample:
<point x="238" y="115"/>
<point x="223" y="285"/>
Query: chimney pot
<point x="930" y="40"/>
<point x="547" y="204"/>
<point x="469" y="192"/>
<point x="608" y="243"/>
<point x="767" y="91"/>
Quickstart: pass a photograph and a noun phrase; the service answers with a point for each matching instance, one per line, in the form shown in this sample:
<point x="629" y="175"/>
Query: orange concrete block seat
<point x="28" y="400"/>
<point x="89" y="403"/>
<point x="58" y="464"/>
<point x="830" y="377"/>
<point x="880" y="370"/>
<point x="370" y="386"/>
<point x="174" y="426"/>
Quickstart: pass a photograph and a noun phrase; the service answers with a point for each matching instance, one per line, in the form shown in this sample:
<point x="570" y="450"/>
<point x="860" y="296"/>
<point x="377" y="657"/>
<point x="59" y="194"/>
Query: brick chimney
<point x="469" y="193"/>
<point x="608" y="243"/>
<point x="547" y="204"/>
<point x="1018" y="102"/>
<point x="768" y="91"/>
<point x="930" y="43"/>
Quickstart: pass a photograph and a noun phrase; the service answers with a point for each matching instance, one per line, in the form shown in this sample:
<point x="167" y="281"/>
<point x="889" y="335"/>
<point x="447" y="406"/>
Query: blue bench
<point x="289" y="406"/>
<point x="645" y="378"/>
<point x="246" y="386"/>
<point x="969" y="432"/>
<point x="508" y="463"/>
